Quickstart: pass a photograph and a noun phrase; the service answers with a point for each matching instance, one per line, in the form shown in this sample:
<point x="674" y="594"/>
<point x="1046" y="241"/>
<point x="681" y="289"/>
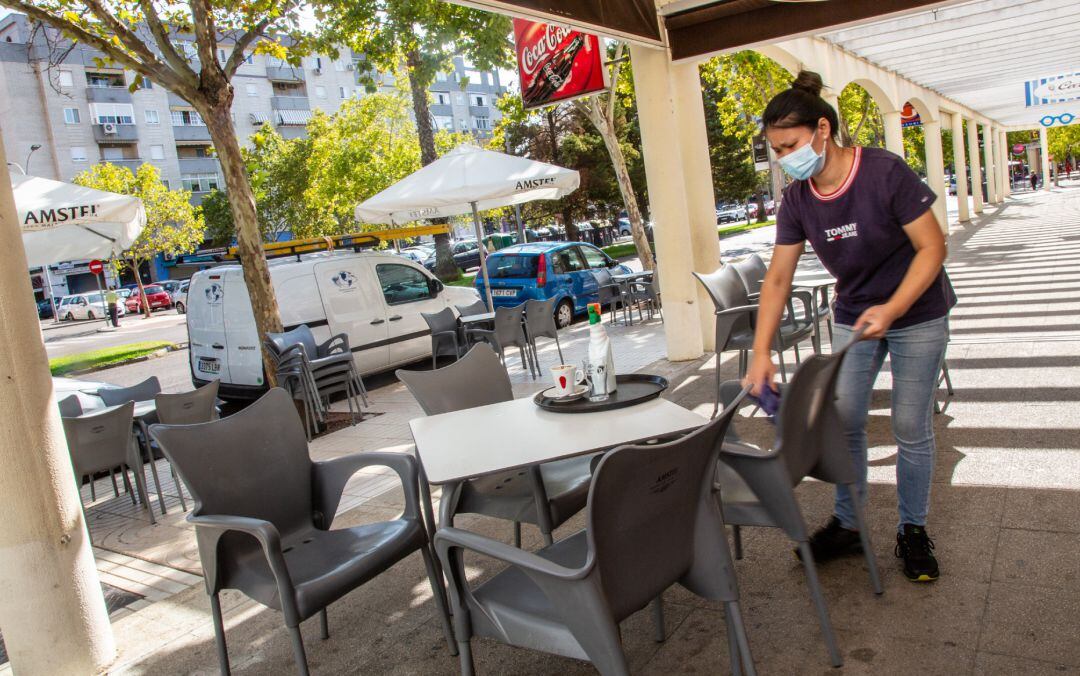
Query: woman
<point x="868" y="217"/>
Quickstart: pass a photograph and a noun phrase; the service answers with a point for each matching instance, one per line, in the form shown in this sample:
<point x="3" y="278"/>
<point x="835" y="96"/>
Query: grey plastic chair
<point x="263" y="512"/>
<point x="652" y="521"/>
<point x="326" y="360"/>
<point x="757" y="486"/>
<point x="294" y="376"/>
<point x="70" y="407"/>
<point x="540" y="323"/>
<point x="102" y="441"/>
<point x="647" y="292"/>
<point x="188" y="408"/>
<point x="793" y="328"/>
<point x="611" y="295"/>
<point x="143" y="391"/>
<point x="509" y="331"/>
<point x="477" y="308"/>
<point x="546" y="495"/>
<point x="444" y="335"/>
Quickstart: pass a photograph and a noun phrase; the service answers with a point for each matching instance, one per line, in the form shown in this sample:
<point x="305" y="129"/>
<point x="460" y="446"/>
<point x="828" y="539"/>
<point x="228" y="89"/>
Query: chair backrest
<point x="752" y="272"/>
<point x="508" y="328"/>
<point x="540" y="317"/>
<point x="253" y="463"/>
<point x="477" y="379"/>
<point x="810" y="434"/>
<point x="643" y="511"/>
<point x="443" y="320"/>
<point x="300" y="335"/>
<point x="477" y="308"/>
<point x="100" y="440"/>
<point x="144" y="391"/>
<point x="70" y="407"/>
<point x="188" y="408"/>
<point x="726" y="290"/>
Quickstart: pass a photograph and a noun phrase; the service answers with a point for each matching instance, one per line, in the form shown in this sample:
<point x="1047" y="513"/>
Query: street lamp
<point x="26" y="165"/>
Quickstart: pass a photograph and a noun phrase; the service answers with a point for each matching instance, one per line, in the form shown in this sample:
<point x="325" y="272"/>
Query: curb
<point x="136" y="360"/>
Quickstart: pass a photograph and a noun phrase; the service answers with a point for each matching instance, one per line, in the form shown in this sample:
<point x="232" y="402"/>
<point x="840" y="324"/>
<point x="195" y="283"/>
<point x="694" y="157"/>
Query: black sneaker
<point x="915" y="547"/>
<point x="833" y="541"/>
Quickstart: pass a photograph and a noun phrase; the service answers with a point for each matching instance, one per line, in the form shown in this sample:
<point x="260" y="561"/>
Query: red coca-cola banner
<point x="556" y="63"/>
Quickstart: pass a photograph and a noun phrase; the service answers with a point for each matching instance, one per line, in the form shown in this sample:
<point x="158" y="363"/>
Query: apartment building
<point x="80" y="113"/>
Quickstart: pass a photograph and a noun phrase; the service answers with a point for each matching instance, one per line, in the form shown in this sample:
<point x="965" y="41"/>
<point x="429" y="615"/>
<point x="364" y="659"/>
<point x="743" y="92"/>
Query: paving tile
<point x="990" y="664"/>
<point x="1042" y="558"/>
<point x="1036" y="623"/>
<point x="1041" y="509"/>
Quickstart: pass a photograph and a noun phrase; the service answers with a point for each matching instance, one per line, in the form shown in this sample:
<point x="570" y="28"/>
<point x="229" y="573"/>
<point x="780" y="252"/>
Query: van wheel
<point x="564" y="314"/>
<point x="180" y="309"/>
<point x="90" y="315"/>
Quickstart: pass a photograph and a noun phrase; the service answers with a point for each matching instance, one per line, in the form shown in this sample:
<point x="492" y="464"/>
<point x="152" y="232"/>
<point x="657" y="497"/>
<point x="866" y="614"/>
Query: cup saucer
<point x="578" y="392"/>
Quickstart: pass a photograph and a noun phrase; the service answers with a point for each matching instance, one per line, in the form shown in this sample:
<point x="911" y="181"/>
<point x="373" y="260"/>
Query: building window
<point x="157" y="152"/>
<point x="444" y="122"/>
<point x="342" y="93"/>
<point x="320" y="92"/>
<point x="187" y="118"/>
<point x="442" y="98"/>
<point x="146" y="84"/>
<point x="222" y="57"/>
<point x="151" y="116"/>
<point x="200" y="182"/>
<point x="317" y="62"/>
<point x="440" y="76"/>
<point x="66" y="79"/>
<point x="112" y="113"/>
<point x="339" y="66"/>
<point x="251" y="89"/>
<point x="78" y="154"/>
<point x="71" y="116"/>
<point x="482" y="122"/>
<point x="249" y="58"/>
<point x="479" y="100"/>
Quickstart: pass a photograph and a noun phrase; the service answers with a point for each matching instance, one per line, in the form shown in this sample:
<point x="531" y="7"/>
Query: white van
<point x="374" y="298"/>
<point x="85" y="306"/>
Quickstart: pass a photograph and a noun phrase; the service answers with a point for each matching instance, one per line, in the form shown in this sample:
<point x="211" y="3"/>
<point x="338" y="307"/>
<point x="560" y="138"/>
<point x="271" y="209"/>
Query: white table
<point x="508" y="435"/>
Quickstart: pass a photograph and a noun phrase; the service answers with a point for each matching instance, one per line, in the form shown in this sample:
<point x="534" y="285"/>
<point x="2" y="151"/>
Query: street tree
<point x="173" y="225"/>
<point x="1063" y="144"/>
<point x="138" y="35"/>
<point x="424" y="36"/>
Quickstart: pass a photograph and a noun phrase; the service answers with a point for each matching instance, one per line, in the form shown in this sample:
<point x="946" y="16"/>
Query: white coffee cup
<point x="567" y="377"/>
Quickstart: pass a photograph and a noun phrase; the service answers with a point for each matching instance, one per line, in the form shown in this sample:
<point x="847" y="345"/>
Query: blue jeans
<point x="915" y="355"/>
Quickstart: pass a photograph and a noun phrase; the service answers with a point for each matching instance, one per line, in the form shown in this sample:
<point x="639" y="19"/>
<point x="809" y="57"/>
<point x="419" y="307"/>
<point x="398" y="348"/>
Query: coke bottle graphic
<point x="552" y="75"/>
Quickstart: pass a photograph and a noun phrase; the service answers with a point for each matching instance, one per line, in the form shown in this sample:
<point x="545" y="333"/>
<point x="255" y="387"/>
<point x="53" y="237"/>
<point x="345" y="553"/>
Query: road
<point x="81" y="336"/>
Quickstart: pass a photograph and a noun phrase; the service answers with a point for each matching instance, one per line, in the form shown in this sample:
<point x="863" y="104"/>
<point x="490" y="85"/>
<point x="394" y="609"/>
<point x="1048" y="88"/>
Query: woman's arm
<point x="774" y="296"/>
<point x="930" y="250"/>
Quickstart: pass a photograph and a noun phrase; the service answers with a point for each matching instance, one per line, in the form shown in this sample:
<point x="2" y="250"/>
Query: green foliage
<point x="173" y="225"/>
<point x="730" y="153"/>
<point x="217" y="214"/>
<point x="747" y="81"/>
<point x="105" y="357"/>
<point x="861" y="118"/>
<point x="1063" y="142"/>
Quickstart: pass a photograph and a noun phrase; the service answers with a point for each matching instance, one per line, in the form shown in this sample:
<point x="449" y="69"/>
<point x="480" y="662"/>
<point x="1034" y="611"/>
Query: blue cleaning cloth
<point x="768" y="400"/>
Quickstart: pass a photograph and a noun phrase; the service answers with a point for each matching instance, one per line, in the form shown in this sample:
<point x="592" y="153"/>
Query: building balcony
<point x="480" y="111"/>
<point x="292" y="132"/>
<point x="199" y="165"/>
<point x="284" y="74"/>
<point x="290" y="103"/>
<point x="191" y="132"/>
<point x="108" y="95"/>
<point x="122" y="133"/>
<point x="131" y="163"/>
<point x="445" y="110"/>
<point x="176" y="101"/>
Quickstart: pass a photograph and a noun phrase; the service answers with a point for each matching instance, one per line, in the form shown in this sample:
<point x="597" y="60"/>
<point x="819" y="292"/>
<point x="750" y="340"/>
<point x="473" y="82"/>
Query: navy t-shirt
<point x="858" y="234"/>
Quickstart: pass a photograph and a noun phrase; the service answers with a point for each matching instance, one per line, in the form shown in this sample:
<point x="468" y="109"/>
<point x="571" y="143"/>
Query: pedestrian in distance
<point x="869" y="219"/>
<point x="111" y="299"/>
<point x="1034" y="180"/>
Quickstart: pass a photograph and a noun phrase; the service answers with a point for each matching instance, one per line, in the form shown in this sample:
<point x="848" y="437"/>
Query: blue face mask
<point x="804" y="163"/>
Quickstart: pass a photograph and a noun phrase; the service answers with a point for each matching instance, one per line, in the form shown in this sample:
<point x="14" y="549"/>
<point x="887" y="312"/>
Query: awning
<point x="259" y="118"/>
<point x="294" y="117"/>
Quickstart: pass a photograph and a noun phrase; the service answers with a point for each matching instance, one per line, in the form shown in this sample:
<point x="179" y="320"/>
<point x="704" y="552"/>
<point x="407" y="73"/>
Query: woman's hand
<point x="761" y="372"/>
<point x="875" y="321"/>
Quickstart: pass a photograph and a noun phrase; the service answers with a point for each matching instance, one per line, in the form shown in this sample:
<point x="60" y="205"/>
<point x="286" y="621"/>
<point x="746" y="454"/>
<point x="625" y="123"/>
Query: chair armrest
<point x="336" y="345"/>
<point x="807" y="301"/>
<point x="209" y="529"/>
<point x="471" y="331"/>
<point x="330" y="476"/>
<point x="744" y="450"/>
<point x="753" y="297"/>
<point x="455" y="538"/>
<point x="742" y="309"/>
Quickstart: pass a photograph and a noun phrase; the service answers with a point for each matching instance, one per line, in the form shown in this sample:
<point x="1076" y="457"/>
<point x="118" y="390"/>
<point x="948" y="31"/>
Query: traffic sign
<point x="96" y="267"/>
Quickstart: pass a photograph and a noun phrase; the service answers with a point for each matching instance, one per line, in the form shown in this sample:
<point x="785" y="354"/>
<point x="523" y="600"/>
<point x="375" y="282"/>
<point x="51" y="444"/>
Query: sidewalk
<point x="1003" y="514"/>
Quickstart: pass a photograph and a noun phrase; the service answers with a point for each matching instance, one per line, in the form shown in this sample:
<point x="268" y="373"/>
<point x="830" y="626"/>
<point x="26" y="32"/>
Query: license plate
<point x="209" y="365"/>
<point x="503" y="292"/>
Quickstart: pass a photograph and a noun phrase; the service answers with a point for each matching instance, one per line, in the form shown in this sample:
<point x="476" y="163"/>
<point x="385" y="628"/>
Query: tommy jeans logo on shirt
<point x="842" y="232"/>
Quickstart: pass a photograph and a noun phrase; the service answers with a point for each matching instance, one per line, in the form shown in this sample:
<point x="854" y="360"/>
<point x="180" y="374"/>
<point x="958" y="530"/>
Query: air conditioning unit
<point x="108" y="128"/>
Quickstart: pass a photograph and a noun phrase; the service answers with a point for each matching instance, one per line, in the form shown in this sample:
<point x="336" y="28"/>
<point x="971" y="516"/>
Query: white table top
<point x="511" y="434"/>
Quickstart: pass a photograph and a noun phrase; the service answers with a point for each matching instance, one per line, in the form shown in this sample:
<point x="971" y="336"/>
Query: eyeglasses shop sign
<point x="1056" y="89"/>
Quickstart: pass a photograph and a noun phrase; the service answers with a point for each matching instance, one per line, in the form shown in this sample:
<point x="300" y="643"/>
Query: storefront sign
<point x="761" y="153"/>
<point x="1054" y="89"/>
<point x="909" y="117"/>
<point x="1019" y="149"/>
<point x="556" y="63"/>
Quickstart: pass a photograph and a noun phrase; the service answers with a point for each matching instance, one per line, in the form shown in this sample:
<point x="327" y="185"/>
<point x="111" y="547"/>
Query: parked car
<point x="179" y="297"/>
<point x="731" y="213"/>
<point x="418" y="254"/>
<point x="543" y="270"/>
<point x="466" y="255"/>
<point x="156" y="297"/>
<point x="375" y="298"/>
<point x="171" y="285"/>
<point x="85" y="306"/>
<point x="625" y="231"/>
<point x="44" y="309"/>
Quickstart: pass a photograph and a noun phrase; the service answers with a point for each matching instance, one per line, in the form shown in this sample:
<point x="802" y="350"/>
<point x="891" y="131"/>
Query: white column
<point x="935" y="171"/>
<point x="894" y="133"/>
<point x="698" y="182"/>
<point x="664" y="172"/>
<point x="51" y="607"/>
<point x="976" y="166"/>
<point x="991" y="167"/>
<point x="960" y="168"/>
<point x="1006" y="170"/>
<point x="1044" y="150"/>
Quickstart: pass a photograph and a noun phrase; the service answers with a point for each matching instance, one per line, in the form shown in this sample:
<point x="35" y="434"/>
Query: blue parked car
<point x="543" y="270"/>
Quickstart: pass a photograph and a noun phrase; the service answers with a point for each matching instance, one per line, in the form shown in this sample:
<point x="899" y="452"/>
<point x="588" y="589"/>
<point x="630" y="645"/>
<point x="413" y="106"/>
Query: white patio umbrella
<point x="467" y="179"/>
<point x="63" y="222"/>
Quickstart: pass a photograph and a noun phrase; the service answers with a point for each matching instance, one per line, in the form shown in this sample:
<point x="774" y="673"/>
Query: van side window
<point x="402" y="284"/>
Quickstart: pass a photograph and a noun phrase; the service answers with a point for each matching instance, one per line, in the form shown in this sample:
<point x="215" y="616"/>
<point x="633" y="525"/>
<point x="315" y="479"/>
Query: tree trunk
<point x="606" y="128"/>
<point x="142" y="292"/>
<point x="248" y="239"/>
<point x="761" y="215"/>
<point x="445" y="268"/>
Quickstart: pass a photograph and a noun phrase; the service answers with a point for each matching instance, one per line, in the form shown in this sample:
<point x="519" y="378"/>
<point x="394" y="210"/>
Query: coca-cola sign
<point x="556" y="63"/>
